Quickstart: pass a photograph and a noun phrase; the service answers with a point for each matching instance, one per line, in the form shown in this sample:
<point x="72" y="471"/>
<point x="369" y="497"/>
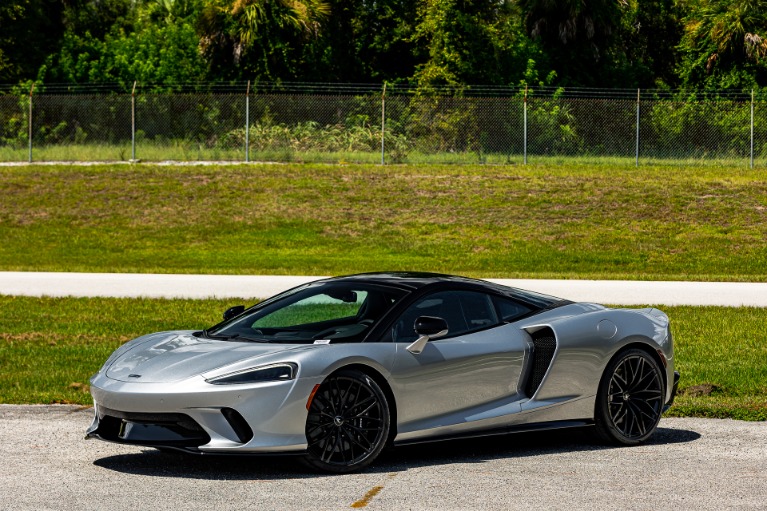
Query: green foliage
<point x="579" y="36"/>
<point x="259" y="39"/>
<point x="14" y="130"/>
<point x="163" y="53"/>
<point x="697" y="129"/>
<point x="712" y="44"/>
<point x="310" y="136"/>
<point x="98" y="17"/>
<point x="471" y="42"/>
<point x="365" y="41"/>
<point x="650" y="34"/>
<point x="724" y="44"/>
<point x="29" y="32"/>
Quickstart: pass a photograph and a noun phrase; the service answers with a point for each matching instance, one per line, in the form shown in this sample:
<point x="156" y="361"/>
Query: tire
<point x="348" y="423"/>
<point x="630" y="398"/>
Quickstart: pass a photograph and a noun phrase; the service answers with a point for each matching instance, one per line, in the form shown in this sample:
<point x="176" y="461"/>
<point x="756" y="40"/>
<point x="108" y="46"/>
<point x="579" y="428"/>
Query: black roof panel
<point x="416" y="280"/>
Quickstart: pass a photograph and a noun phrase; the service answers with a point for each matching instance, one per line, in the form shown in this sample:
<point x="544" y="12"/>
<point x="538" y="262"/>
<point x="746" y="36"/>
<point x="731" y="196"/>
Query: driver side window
<point x="464" y="311"/>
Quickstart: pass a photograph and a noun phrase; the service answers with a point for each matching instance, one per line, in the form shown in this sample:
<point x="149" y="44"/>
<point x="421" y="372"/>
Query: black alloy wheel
<point x="630" y="398"/>
<point x="348" y="423"/>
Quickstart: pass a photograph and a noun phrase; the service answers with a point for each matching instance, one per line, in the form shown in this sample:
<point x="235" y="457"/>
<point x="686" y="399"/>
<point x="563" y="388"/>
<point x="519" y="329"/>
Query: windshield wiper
<point x="209" y="335"/>
<point x="229" y="337"/>
<point x="249" y="339"/>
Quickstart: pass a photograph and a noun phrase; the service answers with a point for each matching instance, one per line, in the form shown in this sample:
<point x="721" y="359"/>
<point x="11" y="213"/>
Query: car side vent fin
<point x="544" y="345"/>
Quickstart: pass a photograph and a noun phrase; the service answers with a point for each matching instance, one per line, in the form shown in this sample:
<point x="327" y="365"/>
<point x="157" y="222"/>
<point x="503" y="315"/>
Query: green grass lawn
<point x="553" y="221"/>
<point x="49" y="347"/>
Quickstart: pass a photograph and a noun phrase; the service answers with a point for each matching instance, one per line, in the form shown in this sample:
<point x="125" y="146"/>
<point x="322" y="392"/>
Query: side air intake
<point x="544" y="345"/>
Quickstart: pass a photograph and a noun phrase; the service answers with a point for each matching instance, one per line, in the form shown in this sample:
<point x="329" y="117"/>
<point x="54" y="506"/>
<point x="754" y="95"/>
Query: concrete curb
<point x="133" y="285"/>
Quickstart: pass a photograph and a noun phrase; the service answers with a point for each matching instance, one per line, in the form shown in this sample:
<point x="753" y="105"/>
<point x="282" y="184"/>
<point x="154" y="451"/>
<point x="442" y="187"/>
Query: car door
<point x="469" y="378"/>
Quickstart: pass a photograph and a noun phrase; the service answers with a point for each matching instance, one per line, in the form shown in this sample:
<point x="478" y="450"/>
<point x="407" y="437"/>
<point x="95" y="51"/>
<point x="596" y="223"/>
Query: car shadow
<point x="151" y="462"/>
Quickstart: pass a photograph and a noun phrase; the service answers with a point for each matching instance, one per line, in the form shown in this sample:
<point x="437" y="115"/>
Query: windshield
<point x="341" y="312"/>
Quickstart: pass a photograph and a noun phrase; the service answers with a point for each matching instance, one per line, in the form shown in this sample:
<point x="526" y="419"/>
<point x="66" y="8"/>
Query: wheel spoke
<point x="619" y="381"/>
<point x="648" y="379"/>
<point x="322" y="442"/>
<point x="344" y="396"/>
<point x="361" y="436"/>
<point x="366" y="410"/>
<point x="636" y="414"/>
<point x="361" y="403"/>
<point x="619" y="415"/>
<point x="341" y="449"/>
<point x="336" y="399"/>
<point x="330" y="451"/>
<point x="318" y="426"/>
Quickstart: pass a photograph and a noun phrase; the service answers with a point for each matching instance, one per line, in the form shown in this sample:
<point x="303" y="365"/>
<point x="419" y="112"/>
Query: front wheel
<point x="348" y="423"/>
<point x="630" y="398"/>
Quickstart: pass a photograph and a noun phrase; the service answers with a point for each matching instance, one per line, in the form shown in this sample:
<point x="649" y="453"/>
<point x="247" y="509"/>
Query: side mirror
<point x="427" y="327"/>
<point x="233" y="311"/>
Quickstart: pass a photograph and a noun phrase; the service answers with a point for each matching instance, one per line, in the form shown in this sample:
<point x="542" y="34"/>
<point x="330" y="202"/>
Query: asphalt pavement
<point x="622" y="292"/>
<point x="698" y="464"/>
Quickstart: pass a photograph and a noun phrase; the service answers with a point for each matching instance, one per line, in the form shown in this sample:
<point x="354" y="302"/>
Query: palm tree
<point x="245" y="26"/>
<point x="728" y="29"/>
<point x="580" y="37"/>
<point x="303" y="15"/>
<point x="724" y="44"/>
<point x="569" y="21"/>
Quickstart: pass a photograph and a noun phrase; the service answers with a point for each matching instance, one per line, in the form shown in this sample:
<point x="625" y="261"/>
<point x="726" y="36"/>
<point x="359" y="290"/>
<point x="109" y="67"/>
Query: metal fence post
<point x="636" y="164"/>
<point x="29" y="122"/>
<point x="752" y="128"/>
<point x="524" y="127"/>
<point x="247" y="124"/>
<point x="133" y="123"/>
<point x="383" y="123"/>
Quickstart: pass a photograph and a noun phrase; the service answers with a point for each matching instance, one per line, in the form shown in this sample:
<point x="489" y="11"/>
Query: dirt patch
<point x="704" y="389"/>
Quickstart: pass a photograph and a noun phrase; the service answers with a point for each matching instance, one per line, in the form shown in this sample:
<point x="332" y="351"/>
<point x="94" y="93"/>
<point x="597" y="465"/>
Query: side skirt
<point x="522" y="428"/>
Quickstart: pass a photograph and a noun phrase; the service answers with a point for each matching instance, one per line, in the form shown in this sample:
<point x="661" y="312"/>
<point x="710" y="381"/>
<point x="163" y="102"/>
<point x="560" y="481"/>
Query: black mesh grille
<point x="175" y="429"/>
<point x="543" y="351"/>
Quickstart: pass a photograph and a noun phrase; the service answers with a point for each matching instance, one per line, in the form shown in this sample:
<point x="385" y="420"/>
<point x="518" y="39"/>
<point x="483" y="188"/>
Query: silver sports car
<point x="336" y="369"/>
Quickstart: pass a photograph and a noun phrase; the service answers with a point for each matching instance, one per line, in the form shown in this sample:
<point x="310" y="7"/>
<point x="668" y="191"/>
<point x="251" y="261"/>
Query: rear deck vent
<point x="544" y="346"/>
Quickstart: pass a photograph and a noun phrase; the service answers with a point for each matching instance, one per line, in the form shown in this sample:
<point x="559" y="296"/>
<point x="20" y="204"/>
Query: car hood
<point x="176" y="356"/>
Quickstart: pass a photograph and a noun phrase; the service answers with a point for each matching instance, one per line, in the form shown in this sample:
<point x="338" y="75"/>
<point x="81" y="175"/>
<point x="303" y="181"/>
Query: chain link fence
<point x="370" y="124"/>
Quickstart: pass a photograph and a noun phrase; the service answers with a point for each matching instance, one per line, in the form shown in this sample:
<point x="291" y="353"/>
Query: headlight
<point x="274" y="372"/>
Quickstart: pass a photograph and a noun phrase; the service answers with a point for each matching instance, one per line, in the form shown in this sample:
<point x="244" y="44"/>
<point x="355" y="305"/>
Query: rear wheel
<point x="348" y="423"/>
<point x="630" y="398"/>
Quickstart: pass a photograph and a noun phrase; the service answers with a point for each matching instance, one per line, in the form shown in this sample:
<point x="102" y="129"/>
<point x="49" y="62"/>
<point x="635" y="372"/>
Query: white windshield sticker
<point x="322" y="341"/>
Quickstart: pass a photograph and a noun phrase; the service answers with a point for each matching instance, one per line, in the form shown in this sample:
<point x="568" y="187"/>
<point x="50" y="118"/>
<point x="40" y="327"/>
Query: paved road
<point x="689" y="464"/>
<point x="731" y="294"/>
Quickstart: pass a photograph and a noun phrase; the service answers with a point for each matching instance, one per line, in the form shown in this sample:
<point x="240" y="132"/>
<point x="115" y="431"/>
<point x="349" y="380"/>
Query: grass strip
<point x="49" y="347"/>
<point x="539" y="221"/>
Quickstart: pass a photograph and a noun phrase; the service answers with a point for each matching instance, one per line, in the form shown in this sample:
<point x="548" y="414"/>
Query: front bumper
<point x="195" y="416"/>
<point x="172" y="430"/>
<point x="673" y="391"/>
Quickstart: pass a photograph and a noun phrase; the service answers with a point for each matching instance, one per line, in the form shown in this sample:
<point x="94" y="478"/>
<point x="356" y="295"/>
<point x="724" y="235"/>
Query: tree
<point x="29" y="31"/>
<point x="471" y="42"/>
<point x="651" y="32"/>
<point x="364" y="42"/>
<point x="580" y="36"/>
<point x="154" y="41"/>
<point x="258" y="38"/>
<point x="725" y="44"/>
